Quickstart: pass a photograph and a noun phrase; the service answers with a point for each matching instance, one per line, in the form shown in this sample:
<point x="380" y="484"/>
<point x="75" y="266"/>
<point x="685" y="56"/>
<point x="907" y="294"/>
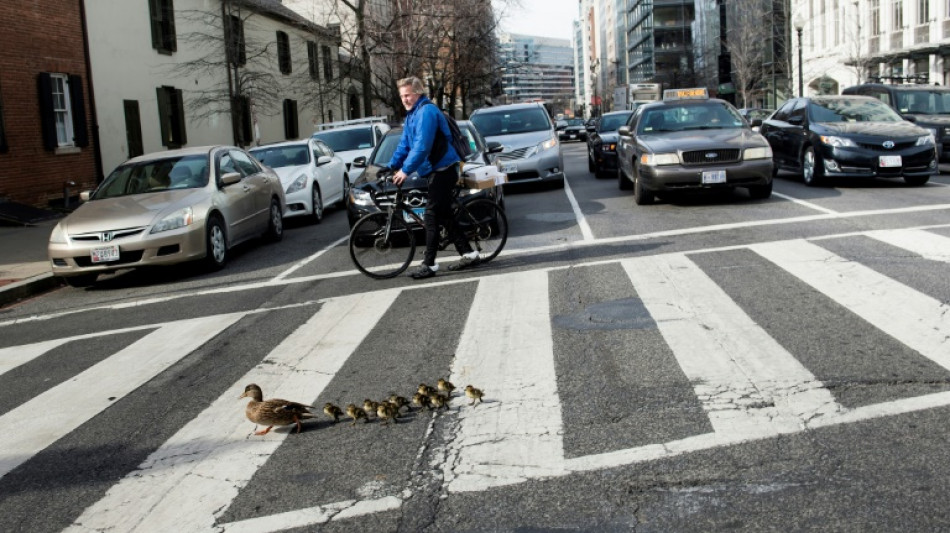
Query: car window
<point x="782" y="112"/>
<point x="797" y="110"/>
<point x="851" y="110"/>
<point x="155" y="175"/>
<point x="385" y="151"/>
<point x="923" y="102"/>
<point x="612" y="122"/>
<point x="282" y="156"/>
<point x="470" y="136"/>
<point x="511" y="121"/>
<point x="344" y="140"/>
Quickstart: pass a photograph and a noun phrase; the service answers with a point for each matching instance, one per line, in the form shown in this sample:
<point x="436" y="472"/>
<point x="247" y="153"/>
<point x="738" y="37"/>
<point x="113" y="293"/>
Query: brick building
<point x="46" y="116"/>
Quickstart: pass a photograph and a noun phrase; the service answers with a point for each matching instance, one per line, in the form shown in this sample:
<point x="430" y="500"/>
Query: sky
<point x="545" y="18"/>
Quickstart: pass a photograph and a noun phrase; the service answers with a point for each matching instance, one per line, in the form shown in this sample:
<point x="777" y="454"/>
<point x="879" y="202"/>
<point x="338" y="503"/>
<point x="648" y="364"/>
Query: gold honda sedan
<point x="169" y="207"/>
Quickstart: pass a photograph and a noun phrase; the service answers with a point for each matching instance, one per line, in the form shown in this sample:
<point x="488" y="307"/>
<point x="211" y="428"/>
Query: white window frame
<point x="62" y="109"/>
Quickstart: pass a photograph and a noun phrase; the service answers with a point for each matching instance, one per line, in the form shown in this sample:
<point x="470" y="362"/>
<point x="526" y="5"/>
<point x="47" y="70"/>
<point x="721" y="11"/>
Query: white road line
<point x="748" y="384"/>
<point x="310" y="259"/>
<point x="587" y="234"/>
<point x="804" y="203"/>
<point x="193" y="477"/>
<point x="67" y="406"/>
<point x="924" y="243"/>
<point x="915" y="319"/>
<point x="312" y="516"/>
<point x="507" y="351"/>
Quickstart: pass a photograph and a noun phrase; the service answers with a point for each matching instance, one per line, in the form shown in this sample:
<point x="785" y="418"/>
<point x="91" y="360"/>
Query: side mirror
<point x="591" y="128"/>
<point x="359" y="162"/>
<point x="84" y="196"/>
<point x="495" y="147"/>
<point x="230" y="179"/>
<point x="909" y="118"/>
<point x="323" y="160"/>
<point x="756" y="122"/>
<point x="623" y="131"/>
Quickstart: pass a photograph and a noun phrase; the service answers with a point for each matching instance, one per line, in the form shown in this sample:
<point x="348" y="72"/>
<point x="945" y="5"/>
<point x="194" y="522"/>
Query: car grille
<point x="100" y="236"/>
<point x="701" y="157"/>
<point x="515" y="154"/>
<point x="878" y="148"/>
<point x="125" y="258"/>
<point x="412" y="198"/>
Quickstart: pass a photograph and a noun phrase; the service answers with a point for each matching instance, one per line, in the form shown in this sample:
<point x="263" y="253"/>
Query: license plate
<point x="714" y="176"/>
<point x="572" y="136"/>
<point x="419" y="211"/>
<point x="508" y="168"/>
<point x="890" y="161"/>
<point x="105" y="254"/>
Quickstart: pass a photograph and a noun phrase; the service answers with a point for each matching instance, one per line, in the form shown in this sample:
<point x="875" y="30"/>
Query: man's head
<point x="410" y="90"/>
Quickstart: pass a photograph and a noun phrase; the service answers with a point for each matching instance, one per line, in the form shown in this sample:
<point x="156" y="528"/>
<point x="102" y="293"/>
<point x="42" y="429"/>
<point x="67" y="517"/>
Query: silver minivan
<point x="531" y="151"/>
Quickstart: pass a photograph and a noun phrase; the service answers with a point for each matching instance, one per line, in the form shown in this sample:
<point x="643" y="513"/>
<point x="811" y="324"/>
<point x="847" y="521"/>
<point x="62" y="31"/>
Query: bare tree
<point x="748" y="40"/>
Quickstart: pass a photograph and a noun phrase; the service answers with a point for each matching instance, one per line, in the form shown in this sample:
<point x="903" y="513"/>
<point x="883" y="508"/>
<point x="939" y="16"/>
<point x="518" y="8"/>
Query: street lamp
<point x="799" y="25"/>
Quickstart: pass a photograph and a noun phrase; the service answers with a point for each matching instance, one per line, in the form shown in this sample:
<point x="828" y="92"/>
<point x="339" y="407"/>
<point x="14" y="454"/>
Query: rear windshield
<point x="851" y="110"/>
<point x="509" y="122"/>
<point x="283" y="156"/>
<point x="186" y="172"/>
<point x="923" y="102"/>
<point x="613" y="122"/>
<point x="345" y="140"/>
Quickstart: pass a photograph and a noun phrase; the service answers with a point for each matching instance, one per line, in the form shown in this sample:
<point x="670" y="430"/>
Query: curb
<point x="27" y="287"/>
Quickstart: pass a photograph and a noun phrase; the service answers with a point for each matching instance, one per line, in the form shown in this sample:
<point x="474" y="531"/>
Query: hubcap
<point x="276" y="219"/>
<point x="317" y="204"/>
<point x="808" y="170"/>
<point x="217" y="243"/>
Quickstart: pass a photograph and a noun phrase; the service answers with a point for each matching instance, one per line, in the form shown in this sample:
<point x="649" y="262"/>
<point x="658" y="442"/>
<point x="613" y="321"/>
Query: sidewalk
<point x="24" y="267"/>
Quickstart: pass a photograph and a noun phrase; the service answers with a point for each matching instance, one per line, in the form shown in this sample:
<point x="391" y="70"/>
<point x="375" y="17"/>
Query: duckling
<point x="386" y="412"/>
<point x="421" y="400"/>
<point x="355" y="413"/>
<point x="399" y="402"/>
<point x="274" y="412"/>
<point x="445" y="386"/>
<point x="438" y="401"/>
<point x="333" y="411"/>
<point x="370" y="407"/>
<point x="473" y="393"/>
<point x="424" y="389"/>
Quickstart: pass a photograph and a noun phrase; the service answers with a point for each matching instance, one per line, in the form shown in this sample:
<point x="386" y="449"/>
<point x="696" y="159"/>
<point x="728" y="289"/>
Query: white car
<point x="311" y="174"/>
<point x="353" y="138"/>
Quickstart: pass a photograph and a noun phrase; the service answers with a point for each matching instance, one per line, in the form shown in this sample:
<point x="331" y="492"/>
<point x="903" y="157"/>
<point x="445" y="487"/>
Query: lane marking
<point x="913" y="318"/>
<point x="193" y="477"/>
<point x="923" y="243"/>
<point x="747" y="382"/>
<point x="67" y="406"/>
<point x="310" y="259"/>
<point x="804" y="203"/>
<point x="582" y="224"/>
<point x="311" y="516"/>
<point x="507" y="350"/>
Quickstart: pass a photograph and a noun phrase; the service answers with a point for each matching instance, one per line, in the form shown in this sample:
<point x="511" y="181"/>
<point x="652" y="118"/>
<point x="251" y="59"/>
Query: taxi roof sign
<point x="698" y="93"/>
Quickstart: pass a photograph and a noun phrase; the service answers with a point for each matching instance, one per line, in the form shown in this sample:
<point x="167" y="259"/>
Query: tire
<point x="812" y="173"/>
<point x="316" y="205"/>
<point x="622" y="182"/>
<point x="81" y="281"/>
<point x="485" y="225"/>
<point x="346" y="190"/>
<point x="641" y="196"/>
<point x="760" y="192"/>
<point x="275" y="222"/>
<point x="216" y="244"/>
<point x="590" y="163"/>
<point x="916" y="181"/>
<point x="377" y="253"/>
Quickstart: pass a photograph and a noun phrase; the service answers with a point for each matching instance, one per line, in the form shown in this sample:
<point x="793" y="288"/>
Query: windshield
<point x="283" y="156"/>
<point x="512" y="121"/>
<point x="188" y="172"/>
<point x="924" y="102"/>
<point x="386" y="149"/>
<point x="575" y="122"/>
<point x="672" y="117"/>
<point x="613" y="122"/>
<point x="851" y="110"/>
<point x="345" y="140"/>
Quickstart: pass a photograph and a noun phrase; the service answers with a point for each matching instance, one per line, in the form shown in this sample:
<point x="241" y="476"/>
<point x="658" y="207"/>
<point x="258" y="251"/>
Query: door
<point x="239" y="203"/>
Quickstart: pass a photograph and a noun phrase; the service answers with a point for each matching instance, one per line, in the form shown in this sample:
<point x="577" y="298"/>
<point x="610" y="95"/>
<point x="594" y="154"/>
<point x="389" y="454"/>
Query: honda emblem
<point x="107" y="236"/>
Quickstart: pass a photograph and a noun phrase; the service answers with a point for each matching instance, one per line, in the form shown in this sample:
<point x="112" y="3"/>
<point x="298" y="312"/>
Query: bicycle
<point x="383" y="244"/>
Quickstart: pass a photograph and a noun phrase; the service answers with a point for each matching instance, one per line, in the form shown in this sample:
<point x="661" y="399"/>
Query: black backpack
<point x="440" y="144"/>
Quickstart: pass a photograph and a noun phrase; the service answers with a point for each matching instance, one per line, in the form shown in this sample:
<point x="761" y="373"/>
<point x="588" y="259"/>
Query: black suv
<point x="928" y="106"/>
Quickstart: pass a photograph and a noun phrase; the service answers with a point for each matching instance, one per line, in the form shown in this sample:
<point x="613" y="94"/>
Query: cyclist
<point x="415" y="154"/>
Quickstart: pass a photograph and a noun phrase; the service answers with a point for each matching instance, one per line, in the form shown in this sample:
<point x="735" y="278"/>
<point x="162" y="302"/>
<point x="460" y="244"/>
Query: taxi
<point x="689" y="141"/>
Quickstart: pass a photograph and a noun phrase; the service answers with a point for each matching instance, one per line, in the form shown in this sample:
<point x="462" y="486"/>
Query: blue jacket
<point x="422" y="124"/>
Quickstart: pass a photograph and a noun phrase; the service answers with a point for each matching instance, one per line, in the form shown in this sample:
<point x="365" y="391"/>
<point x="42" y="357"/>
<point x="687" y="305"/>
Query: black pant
<point x="439" y="212"/>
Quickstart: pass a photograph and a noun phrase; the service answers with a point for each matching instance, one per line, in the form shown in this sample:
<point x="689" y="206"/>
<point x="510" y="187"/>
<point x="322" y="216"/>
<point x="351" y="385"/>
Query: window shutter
<point x="291" y="129"/>
<point x="47" y="117"/>
<point x="80" y="130"/>
<point x="155" y="21"/>
<point x="163" y="114"/>
<point x="171" y="39"/>
<point x="180" y="118"/>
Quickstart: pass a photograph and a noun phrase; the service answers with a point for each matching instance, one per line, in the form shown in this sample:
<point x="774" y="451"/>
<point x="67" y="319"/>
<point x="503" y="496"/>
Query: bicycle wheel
<point x="379" y="253"/>
<point x="485" y="225"/>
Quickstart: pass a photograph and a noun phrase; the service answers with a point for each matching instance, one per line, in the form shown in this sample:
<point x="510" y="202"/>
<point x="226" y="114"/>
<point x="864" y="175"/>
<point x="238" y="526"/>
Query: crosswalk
<point x="545" y="389"/>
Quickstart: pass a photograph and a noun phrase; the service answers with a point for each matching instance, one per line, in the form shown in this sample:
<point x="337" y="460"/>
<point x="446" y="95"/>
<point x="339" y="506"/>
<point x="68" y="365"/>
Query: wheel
<point x="216" y="244"/>
<point x="316" y="216"/>
<point x="641" y="196"/>
<point x="760" y="192"/>
<point x="275" y="222"/>
<point x="812" y="172"/>
<point x="622" y="182"/>
<point x="376" y="251"/>
<point x="80" y="281"/>
<point x="346" y="190"/>
<point x="485" y="225"/>
<point x="916" y="181"/>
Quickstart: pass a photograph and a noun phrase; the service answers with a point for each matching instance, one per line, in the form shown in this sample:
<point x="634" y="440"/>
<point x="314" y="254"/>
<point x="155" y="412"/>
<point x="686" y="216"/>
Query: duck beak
<point x="244" y="395"/>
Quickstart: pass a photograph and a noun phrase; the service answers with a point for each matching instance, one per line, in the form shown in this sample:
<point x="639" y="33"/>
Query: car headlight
<point x="926" y="140"/>
<point x="179" y="219"/>
<point x="838" y="142"/>
<point x="297" y="185"/>
<point x="651" y="160"/>
<point x="760" y="152"/>
<point x="360" y="197"/>
<point x="58" y="235"/>
<point x="548" y="144"/>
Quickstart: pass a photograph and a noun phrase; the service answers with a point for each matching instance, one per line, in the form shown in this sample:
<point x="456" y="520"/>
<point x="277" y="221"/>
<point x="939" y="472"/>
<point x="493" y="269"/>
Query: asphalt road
<point x="708" y="363"/>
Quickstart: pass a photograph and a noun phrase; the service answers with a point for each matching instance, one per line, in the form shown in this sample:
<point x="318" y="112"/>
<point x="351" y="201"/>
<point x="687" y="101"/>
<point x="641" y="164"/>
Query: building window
<point x="898" y="16"/>
<point x="312" y="60"/>
<point x="327" y="64"/>
<point x="241" y="115"/>
<point x="923" y="11"/>
<point x="234" y="33"/>
<point x="291" y="131"/>
<point x="133" y="127"/>
<point x="171" y="117"/>
<point x="875" y="17"/>
<point x="162" y="15"/>
<point x="62" y="111"/>
<point x="283" y="53"/>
